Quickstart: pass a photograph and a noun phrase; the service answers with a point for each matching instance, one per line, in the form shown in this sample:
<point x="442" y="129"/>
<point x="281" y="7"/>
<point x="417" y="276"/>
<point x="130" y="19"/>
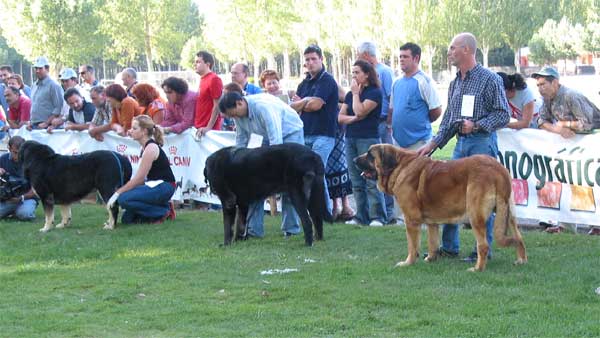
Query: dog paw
<point x="474" y="269"/>
<point x="45" y="229"/>
<point x="403" y="264"/>
<point x="520" y="261"/>
<point x="60" y="226"/>
<point x="108" y="226"/>
<point x="430" y="259"/>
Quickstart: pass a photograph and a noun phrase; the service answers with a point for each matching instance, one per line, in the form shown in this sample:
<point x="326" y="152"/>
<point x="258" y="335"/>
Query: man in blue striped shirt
<point x="476" y="96"/>
<point x="267" y="116"/>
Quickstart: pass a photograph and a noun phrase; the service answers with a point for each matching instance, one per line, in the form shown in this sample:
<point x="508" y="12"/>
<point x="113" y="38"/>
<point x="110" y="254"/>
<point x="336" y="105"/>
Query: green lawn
<point x="175" y="280"/>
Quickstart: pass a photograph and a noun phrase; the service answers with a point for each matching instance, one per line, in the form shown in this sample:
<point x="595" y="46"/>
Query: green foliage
<point x="175" y="280"/>
<point x="556" y="41"/>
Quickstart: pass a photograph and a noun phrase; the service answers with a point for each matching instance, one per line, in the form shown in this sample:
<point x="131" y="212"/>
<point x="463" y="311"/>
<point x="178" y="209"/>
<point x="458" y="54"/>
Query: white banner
<point x="553" y="178"/>
<point x="186" y="155"/>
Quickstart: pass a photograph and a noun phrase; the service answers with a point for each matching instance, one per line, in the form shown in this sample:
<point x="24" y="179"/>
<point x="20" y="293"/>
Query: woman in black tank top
<point x="146" y="197"/>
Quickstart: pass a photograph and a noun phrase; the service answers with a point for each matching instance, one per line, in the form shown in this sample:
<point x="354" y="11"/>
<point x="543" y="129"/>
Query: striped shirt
<point x="490" y="109"/>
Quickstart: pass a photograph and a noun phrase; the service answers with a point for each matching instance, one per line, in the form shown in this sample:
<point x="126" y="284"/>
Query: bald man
<point x="477" y="98"/>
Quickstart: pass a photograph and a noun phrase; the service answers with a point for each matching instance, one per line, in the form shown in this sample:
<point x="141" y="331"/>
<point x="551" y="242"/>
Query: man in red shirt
<point x="19" y="108"/>
<point x="207" y="115"/>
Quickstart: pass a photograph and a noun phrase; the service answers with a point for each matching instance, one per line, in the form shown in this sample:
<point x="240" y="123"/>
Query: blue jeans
<point x="23" y="211"/>
<point x="323" y="146"/>
<point x="143" y="203"/>
<point x="466" y="146"/>
<point x="385" y="135"/>
<point x="370" y="204"/>
<point x="290" y="220"/>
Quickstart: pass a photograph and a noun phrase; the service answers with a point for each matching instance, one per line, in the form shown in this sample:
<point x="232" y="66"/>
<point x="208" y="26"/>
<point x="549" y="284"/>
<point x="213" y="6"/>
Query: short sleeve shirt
<point x="369" y="126"/>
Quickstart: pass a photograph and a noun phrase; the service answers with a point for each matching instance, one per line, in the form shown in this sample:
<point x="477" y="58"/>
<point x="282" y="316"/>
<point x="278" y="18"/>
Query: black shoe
<point x="443" y="253"/>
<point x="287" y="235"/>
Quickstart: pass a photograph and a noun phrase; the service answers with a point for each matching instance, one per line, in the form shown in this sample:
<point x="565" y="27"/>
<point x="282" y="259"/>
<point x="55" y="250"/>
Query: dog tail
<point x="317" y="199"/>
<point x="506" y="221"/>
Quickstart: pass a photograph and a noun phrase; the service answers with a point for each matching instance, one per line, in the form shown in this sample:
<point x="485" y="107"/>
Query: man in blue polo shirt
<point x="415" y="101"/>
<point x="46" y="96"/>
<point x="316" y="101"/>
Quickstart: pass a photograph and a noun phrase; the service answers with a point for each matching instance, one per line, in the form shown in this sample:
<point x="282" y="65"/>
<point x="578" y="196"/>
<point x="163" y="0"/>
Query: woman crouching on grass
<point x="146" y="197"/>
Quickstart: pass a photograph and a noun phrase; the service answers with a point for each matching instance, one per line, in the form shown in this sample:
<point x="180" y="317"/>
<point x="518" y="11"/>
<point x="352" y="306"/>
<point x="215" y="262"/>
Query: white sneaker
<point x="375" y="223"/>
<point x="352" y="222"/>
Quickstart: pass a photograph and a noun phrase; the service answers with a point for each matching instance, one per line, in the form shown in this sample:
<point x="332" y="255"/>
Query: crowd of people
<point x="335" y="124"/>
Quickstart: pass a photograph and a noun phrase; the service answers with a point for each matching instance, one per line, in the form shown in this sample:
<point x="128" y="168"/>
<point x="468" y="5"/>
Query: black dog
<point x="239" y="176"/>
<point x="62" y="180"/>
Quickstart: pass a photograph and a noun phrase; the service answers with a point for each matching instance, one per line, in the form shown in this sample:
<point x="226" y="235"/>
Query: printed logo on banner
<point x="121" y="148"/>
<point x="173" y="150"/>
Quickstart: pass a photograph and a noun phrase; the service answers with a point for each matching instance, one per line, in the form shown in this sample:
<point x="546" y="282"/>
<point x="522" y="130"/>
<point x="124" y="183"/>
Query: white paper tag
<point x="468" y="105"/>
<point x="255" y="141"/>
<point x="153" y="184"/>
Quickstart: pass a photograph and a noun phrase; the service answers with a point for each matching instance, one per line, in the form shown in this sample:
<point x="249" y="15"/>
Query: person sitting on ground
<point x="276" y="123"/>
<point x="19" y="108"/>
<point x="124" y="109"/>
<point x="102" y="115"/>
<point x="150" y="101"/>
<point x="565" y="111"/>
<point x="360" y="112"/>
<point x="521" y="101"/>
<point x="146" y="197"/>
<point x="179" y="113"/>
<point x="16" y="80"/>
<point x="269" y="80"/>
<point x="23" y="206"/>
<point x="81" y="112"/>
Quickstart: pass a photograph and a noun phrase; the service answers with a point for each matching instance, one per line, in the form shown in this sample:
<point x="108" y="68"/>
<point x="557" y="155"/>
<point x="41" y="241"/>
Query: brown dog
<point x="435" y="192"/>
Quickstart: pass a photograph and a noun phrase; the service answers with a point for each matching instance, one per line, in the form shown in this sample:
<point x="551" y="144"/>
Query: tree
<point x="555" y="41"/>
<point x="64" y="31"/>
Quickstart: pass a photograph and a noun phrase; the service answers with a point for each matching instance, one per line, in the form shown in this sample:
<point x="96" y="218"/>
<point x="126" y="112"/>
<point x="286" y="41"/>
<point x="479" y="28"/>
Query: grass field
<point x="175" y="280"/>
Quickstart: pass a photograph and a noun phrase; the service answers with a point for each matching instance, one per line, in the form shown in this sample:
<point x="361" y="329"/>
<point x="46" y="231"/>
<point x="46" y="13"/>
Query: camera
<point x="12" y="186"/>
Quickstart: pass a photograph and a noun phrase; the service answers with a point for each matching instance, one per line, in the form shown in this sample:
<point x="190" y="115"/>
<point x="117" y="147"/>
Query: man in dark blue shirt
<point x="476" y="96"/>
<point x="316" y="101"/>
<point x="23" y="206"/>
<point x="80" y="114"/>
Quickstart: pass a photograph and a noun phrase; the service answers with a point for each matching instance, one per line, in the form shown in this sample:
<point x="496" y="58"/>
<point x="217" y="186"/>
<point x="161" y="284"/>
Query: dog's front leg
<point x="49" y="216"/>
<point x="112" y="217"/>
<point x="65" y="212"/>
<point x="433" y="242"/>
<point x="241" y="223"/>
<point x="413" y="235"/>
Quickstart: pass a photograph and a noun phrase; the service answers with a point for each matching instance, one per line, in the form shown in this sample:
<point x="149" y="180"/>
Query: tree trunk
<point x="518" y="60"/>
<point x="147" y="36"/>
<point x="255" y="67"/>
<point x="286" y="64"/>
<point x="485" y="51"/>
<point x="271" y="64"/>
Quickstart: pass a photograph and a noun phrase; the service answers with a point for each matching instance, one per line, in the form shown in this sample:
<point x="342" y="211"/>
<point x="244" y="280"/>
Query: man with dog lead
<point x="477" y="98"/>
<point x="265" y="116"/>
<point x="22" y="206"/>
<point x="316" y="101"/>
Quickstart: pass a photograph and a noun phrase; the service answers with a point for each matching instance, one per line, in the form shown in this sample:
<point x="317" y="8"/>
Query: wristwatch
<point x="22" y="198"/>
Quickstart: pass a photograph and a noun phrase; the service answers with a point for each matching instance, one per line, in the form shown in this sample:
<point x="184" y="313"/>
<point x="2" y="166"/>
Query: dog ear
<point x="388" y="160"/>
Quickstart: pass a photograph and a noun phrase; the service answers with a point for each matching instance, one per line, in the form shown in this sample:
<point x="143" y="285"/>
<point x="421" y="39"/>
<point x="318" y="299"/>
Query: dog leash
<point x="120" y="167"/>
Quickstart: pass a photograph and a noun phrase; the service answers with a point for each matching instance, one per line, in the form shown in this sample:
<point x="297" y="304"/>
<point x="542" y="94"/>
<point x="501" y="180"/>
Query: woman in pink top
<point x="179" y="113"/>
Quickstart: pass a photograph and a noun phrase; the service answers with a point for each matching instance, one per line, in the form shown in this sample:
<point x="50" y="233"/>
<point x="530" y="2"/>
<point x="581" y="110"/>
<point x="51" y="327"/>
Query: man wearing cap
<point x="476" y="101"/>
<point x="46" y="96"/>
<point x="565" y="111"/>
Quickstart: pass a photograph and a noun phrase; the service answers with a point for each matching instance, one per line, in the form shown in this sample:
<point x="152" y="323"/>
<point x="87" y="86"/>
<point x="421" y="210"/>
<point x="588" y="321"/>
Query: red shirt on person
<point x="211" y="88"/>
<point x="21" y="111"/>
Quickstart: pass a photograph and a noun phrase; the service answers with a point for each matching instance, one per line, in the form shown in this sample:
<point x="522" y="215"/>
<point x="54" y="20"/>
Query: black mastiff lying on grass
<point x="239" y="176"/>
<point x="62" y="180"/>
